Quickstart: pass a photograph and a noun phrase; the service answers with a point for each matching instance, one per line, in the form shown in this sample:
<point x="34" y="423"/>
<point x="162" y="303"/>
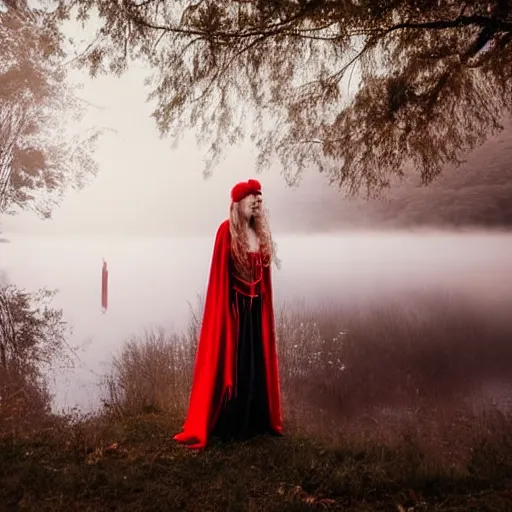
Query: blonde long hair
<point x="240" y="242"/>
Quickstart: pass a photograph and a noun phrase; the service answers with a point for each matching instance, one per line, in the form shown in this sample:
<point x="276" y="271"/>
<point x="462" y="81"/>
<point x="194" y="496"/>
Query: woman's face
<point x="251" y="206"/>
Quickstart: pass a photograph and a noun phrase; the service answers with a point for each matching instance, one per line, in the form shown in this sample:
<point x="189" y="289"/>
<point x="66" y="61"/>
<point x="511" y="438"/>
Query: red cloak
<point x="215" y="360"/>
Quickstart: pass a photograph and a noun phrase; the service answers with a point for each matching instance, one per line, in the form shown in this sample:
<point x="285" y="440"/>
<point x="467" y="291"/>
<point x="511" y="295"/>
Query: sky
<point x="147" y="187"/>
<point x="144" y="185"/>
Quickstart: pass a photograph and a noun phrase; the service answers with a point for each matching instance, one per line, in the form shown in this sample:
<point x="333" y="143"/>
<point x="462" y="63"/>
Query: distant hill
<point x="478" y="193"/>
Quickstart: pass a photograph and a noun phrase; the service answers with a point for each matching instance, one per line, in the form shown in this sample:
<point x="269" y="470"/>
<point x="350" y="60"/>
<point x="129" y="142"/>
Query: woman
<point x="235" y="390"/>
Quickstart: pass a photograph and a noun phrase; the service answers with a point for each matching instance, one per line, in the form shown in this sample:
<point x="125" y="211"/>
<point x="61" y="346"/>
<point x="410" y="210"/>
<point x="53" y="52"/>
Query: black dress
<point x="246" y="414"/>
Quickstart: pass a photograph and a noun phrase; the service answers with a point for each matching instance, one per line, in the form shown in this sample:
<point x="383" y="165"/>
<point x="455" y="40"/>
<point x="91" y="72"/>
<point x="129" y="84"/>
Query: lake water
<point x="151" y="280"/>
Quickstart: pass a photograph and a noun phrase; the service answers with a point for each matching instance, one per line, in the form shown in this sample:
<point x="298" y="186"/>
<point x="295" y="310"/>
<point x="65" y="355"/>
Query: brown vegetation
<point x="383" y="410"/>
<point x="33" y="337"/>
<point x="360" y="91"/>
<point x="420" y="356"/>
<point x="39" y="157"/>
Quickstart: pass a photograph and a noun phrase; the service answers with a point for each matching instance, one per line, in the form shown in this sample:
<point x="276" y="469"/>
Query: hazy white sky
<point x="144" y="185"/>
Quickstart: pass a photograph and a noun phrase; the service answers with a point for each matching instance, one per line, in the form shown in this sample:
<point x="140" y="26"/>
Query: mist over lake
<point x="153" y="279"/>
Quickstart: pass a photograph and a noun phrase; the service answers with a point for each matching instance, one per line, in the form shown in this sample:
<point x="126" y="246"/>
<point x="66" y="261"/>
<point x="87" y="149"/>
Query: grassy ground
<point x="390" y="406"/>
<point x="105" y="464"/>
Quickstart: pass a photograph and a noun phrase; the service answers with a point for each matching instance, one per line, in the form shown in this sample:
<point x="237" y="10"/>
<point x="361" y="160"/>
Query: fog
<point x="152" y="216"/>
<point x="147" y="186"/>
<point x="152" y="279"/>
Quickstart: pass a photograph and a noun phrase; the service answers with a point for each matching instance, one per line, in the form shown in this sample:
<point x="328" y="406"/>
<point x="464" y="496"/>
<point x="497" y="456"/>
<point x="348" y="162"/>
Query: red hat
<point x="244" y="189"/>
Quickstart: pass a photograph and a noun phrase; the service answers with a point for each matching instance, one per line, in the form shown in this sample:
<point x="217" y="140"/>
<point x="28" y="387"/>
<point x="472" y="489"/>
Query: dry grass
<point x="103" y="464"/>
<point x="420" y="362"/>
<point x="381" y="411"/>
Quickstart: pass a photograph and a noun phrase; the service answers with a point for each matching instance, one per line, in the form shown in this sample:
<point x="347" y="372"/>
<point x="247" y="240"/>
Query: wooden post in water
<point x="104" y="288"/>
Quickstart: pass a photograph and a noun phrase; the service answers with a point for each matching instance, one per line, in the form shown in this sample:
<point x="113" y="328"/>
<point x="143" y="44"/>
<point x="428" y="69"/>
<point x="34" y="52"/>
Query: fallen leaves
<point x="98" y="453"/>
<point x="310" y="499"/>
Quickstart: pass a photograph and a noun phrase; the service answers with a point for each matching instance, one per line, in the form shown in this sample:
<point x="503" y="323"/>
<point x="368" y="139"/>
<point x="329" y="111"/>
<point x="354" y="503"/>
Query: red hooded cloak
<point x="215" y="365"/>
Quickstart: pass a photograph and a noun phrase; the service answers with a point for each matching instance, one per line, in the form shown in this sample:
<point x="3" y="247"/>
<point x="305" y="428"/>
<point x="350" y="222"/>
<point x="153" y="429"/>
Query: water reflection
<point x="151" y="280"/>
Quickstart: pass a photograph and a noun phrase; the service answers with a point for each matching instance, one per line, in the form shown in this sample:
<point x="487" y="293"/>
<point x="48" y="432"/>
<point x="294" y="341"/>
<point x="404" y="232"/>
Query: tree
<point x="33" y="338"/>
<point x="39" y="159"/>
<point x="432" y="79"/>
